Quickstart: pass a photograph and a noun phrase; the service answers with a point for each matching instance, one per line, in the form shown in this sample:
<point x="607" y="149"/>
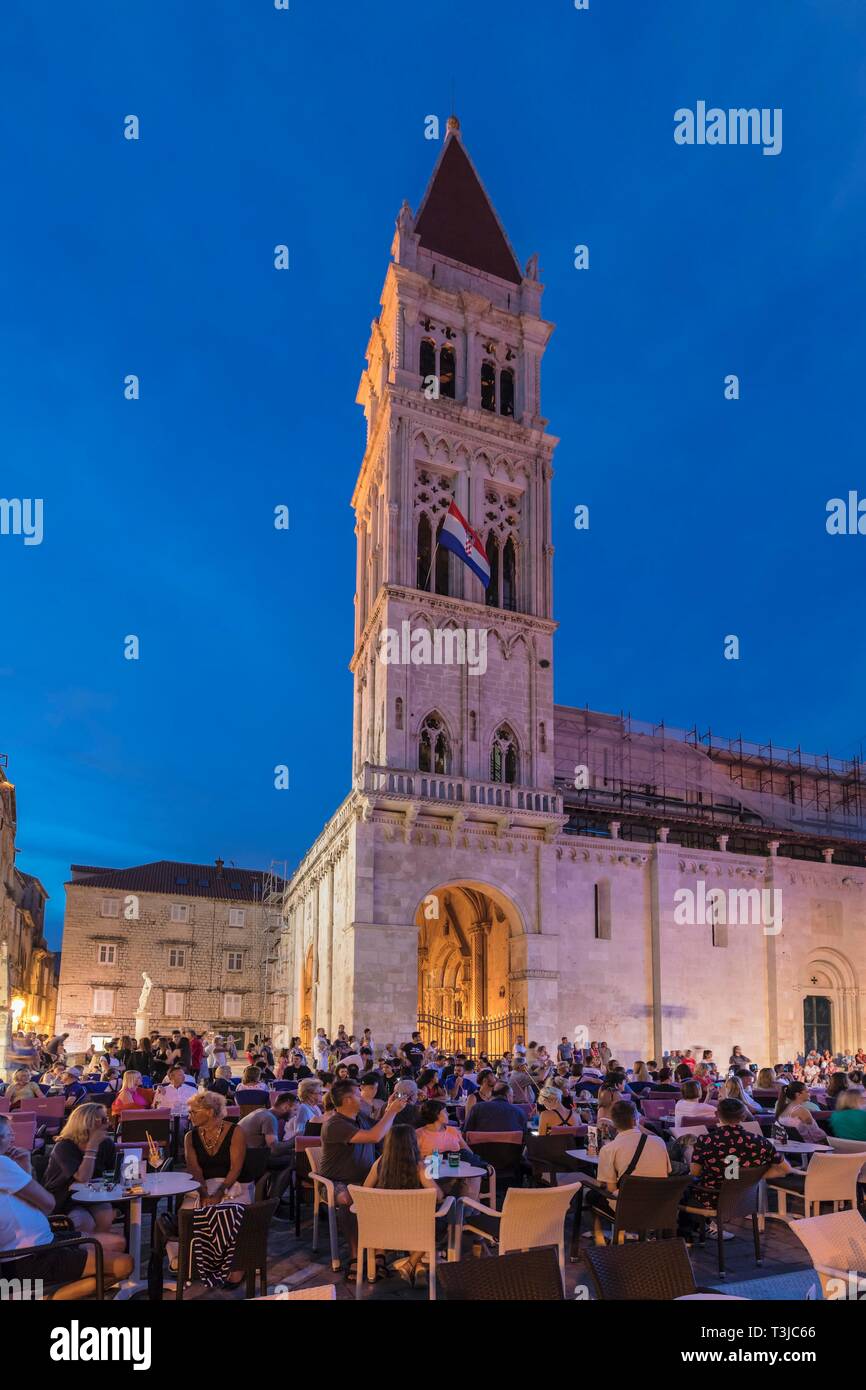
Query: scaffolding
<point x="641" y="768"/>
<point x="273" y="897"/>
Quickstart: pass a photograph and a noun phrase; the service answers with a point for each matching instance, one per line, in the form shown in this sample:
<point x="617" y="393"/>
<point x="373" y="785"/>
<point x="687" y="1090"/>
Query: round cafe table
<point x="463" y="1170"/>
<point x="152" y="1185"/>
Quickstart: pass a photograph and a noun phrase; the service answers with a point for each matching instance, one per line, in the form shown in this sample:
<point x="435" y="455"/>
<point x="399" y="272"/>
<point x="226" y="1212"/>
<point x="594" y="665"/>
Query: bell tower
<point x="452" y="679"/>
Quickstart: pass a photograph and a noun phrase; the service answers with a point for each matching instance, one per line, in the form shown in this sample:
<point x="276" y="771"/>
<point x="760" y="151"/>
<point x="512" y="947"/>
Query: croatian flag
<point x="458" y="536"/>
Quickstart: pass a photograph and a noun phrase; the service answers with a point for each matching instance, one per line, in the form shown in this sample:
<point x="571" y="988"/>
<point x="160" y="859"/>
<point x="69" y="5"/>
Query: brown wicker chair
<point x="659" y="1270"/>
<point x="647" y="1204"/>
<point x="737" y="1197"/>
<point x="547" y="1155"/>
<point x="251" y="1251"/>
<point x="529" y="1276"/>
<point x="88" y="1286"/>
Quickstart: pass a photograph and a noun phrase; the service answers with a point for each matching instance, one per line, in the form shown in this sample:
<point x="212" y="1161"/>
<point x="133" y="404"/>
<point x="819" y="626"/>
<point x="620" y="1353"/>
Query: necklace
<point x="211" y="1145"/>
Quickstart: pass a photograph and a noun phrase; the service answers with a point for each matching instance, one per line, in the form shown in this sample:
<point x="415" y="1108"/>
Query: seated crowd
<point x="385" y="1115"/>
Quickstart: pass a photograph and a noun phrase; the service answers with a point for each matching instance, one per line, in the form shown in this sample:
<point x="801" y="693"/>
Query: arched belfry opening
<point x="465" y="995"/>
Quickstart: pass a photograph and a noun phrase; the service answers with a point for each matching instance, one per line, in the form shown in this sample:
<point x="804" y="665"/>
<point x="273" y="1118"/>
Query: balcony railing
<point x="464" y="791"/>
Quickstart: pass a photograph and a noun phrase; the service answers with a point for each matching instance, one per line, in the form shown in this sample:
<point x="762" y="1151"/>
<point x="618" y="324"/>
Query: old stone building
<point x="32" y="985"/>
<point x="201" y="932"/>
<point x="502" y="863"/>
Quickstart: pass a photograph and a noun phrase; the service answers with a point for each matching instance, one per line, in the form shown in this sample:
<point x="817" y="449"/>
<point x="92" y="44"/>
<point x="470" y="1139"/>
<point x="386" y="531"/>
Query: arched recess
<point x="829" y="973"/>
<point x="306" y="1000"/>
<point x="466" y="935"/>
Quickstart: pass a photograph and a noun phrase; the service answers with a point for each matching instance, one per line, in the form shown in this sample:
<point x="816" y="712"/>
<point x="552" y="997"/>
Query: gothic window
<point x="434" y="493"/>
<point x="506" y="391"/>
<point x="488" y="386"/>
<point x="425" y="552"/>
<point x="398" y="713"/>
<point x="509" y="576"/>
<point x="442" y="564"/>
<point x="503" y="756"/>
<point x="446" y="372"/>
<point x="491" y="596"/>
<point x="542" y="738"/>
<point x="433" y="751"/>
<point x="427" y="359"/>
<point x="473" y="725"/>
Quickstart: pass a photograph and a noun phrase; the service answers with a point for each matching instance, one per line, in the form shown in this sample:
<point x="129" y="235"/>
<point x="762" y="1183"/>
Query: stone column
<point x="478" y="946"/>
<point x="328" y="962"/>
<point x="656" y="951"/>
<point x="772" y="965"/>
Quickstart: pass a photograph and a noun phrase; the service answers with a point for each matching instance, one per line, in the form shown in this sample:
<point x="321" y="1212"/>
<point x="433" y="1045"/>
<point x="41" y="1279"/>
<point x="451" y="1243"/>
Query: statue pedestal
<point x="142" y="1026"/>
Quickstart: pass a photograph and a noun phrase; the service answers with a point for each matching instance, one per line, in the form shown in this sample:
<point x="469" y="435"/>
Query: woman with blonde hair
<point x="767" y="1079"/>
<point x="130" y="1096"/>
<point x="215" y="1151"/>
<point x="22" y="1088"/>
<point x="733" y="1089"/>
<point x="641" y="1072"/>
<point x="82" y="1150"/>
<point x="553" y="1112"/>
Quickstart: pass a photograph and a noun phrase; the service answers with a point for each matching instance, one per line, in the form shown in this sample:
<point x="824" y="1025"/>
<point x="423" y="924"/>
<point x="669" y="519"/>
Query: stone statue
<point x="531" y="271"/>
<point x="145" y="992"/>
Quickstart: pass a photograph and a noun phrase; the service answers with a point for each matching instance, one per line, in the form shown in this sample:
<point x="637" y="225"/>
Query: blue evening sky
<point x="307" y="127"/>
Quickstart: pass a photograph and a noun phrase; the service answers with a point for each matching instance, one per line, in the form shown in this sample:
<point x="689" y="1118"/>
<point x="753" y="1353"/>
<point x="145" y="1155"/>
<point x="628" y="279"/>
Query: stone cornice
<point x="460" y="608"/>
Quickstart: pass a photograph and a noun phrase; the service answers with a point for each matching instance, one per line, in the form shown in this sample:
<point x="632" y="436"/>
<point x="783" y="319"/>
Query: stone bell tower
<point x="451" y="394"/>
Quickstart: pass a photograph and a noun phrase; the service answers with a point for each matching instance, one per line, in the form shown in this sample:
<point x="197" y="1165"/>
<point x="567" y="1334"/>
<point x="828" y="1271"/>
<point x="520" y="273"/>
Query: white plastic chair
<point x="830" y="1177"/>
<point x="323" y="1196"/>
<point x="396" y="1220"/>
<point x="530" y="1217"/>
<point x="850" y="1146"/>
<point x="837" y="1248"/>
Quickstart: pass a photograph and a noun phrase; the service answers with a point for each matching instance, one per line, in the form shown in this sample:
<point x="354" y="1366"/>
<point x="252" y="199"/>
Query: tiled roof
<point x="178" y="880"/>
<point x="456" y="217"/>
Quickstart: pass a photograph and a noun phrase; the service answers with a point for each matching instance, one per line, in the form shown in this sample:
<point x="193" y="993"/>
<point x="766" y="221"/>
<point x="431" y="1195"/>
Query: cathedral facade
<point x="503" y="864"/>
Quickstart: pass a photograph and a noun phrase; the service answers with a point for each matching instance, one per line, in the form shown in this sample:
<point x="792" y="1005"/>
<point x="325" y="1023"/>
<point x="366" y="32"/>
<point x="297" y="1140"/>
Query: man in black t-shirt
<point x="414" y="1052"/>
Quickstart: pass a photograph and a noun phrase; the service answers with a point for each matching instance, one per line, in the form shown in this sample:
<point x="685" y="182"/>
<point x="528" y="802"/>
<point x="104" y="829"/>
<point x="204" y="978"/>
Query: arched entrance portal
<point x="466" y="999"/>
<point x="306" y="1033"/>
<point x="830" y="1002"/>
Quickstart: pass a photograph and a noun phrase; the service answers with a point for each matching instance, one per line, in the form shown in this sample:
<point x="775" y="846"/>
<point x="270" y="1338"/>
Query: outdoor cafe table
<point x="463" y="1170"/>
<point x="152" y="1185"/>
<point x="797" y="1146"/>
<point x="584" y="1155"/>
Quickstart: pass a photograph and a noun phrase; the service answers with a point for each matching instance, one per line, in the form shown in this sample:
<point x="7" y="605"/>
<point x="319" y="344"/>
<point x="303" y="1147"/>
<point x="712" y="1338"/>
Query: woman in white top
<point x="691" y="1107"/>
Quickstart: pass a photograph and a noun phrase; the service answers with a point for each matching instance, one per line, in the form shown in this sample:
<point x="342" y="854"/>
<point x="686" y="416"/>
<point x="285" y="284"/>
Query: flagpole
<point x="432" y="562"/>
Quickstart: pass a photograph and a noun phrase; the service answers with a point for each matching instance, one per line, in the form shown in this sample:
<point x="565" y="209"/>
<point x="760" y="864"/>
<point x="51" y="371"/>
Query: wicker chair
<point x="837" y="1248"/>
<point x="396" y="1220"/>
<point x="830" y="1177"/>
<point x="659" y="1271"/>
<point x="502" y="1149"/>
<point x="323" y="1196"/>
<point x="740" y="1196"/>
<point x="547" y="1156"/>
<point x="301" y="1180"/>
<point x="251" y="1250"/>
<point x="530" y="1276"/>
<point x="88" y="1286"/>
<point x="530" y="1217"/>
<point x="645" y="1205"/>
